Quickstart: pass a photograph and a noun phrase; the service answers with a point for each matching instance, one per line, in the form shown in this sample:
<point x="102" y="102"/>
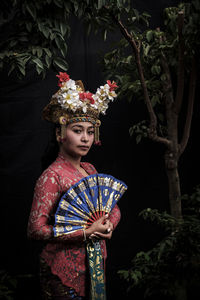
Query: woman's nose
<point x="84" y="136"/>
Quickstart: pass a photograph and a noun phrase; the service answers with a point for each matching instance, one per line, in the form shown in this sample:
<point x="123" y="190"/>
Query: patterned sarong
<point x="96" y="268"/>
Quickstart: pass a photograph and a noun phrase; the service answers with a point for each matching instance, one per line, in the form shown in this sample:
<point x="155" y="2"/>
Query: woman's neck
<point x="74" y="160"/>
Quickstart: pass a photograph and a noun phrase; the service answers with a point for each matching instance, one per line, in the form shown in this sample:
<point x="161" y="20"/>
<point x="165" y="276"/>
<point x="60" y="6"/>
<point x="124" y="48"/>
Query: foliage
<point x="154" y="44"/>
<point x="100" y="17"/>
<point x="34" y="32"/>
<point x="173" y="265"/>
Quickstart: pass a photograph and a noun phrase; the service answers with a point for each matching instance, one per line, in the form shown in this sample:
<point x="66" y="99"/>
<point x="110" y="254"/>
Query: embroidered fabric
<point x="66" y="255"/>
<point x="52" y="287"/>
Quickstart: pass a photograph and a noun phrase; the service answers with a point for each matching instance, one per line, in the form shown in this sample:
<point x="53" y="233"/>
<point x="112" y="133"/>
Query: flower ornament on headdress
<point x="71" y="103"/>
<point x="72" y="97"/>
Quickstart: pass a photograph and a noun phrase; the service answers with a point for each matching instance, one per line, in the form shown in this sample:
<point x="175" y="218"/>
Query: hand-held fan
<point x="87" y="201"/>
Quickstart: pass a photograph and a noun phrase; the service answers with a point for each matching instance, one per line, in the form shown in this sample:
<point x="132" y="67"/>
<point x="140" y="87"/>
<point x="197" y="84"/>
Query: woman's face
<point x="78" y="139"/>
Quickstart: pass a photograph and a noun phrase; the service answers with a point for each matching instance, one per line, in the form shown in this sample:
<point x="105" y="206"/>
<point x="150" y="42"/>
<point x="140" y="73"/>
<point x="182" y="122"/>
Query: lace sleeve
<point x="115" y="216"/>
<point x="46" y="195"/>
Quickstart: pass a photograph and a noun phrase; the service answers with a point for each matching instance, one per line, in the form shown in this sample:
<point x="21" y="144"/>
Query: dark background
<point x="25" y="138"/>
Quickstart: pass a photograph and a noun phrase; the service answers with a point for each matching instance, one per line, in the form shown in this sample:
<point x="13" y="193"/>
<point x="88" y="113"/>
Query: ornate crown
<point x="72" y="104"/>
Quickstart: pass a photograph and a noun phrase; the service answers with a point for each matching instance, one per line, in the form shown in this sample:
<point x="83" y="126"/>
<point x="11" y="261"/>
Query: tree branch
<point x="169" y="100"/>
<point x="180" y="71"/>
<point x="154" y="137"/>
<point x="191" y="96"/>
<point x="136" y="49"/>
<point x="136" y="45"/>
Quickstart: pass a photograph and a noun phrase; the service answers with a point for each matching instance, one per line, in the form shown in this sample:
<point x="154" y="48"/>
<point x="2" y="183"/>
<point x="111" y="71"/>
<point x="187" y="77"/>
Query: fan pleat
<point x="87" y="201"/>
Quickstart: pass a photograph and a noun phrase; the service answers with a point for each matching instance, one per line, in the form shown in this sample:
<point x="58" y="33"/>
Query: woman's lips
<point x="83" y="147"/>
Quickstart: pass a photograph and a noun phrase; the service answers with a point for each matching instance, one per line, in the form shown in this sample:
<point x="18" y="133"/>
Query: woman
<point x="64" y="270"/>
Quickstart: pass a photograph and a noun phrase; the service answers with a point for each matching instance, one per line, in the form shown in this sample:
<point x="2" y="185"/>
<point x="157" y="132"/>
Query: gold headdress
<point x="72" y="104"/>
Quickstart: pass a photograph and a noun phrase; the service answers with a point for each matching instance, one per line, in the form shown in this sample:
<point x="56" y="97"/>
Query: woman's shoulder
<point x="50" y="172"/>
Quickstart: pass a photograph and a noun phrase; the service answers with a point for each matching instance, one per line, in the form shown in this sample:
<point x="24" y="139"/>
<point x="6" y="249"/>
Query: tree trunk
<point x="174" y="186"/>
<point x="171" y="164"/>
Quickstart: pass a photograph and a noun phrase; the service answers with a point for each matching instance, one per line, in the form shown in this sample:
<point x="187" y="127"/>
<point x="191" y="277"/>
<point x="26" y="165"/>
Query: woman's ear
<point x="58" y="134"/>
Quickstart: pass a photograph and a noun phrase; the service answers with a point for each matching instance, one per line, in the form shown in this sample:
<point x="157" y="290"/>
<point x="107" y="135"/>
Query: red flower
<point x="63" y="77"/>
<point x="112" y="85"/>
<point x="84" y="96"/>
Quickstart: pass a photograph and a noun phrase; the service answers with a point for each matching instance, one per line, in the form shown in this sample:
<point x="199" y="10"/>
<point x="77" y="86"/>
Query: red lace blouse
<point x="66" y="255"/>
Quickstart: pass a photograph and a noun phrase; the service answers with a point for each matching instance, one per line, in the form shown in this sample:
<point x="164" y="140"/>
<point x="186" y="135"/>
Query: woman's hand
<point x="101" y="236"/>
<point x="101" y="229"/>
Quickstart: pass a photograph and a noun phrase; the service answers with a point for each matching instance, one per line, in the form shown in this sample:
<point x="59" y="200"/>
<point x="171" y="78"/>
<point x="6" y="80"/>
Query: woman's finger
<point x="103" y="235"/>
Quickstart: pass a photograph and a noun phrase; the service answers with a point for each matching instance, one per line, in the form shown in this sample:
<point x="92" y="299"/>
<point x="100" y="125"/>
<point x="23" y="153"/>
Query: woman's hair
<point x="52" y="148"/>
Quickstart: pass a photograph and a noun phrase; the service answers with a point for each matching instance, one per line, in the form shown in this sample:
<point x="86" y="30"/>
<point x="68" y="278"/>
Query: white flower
<point x="84" y="106"/>
<point x="69" y="100"/>
<point x="102" y="92"/>
<point x="69" y="85"/>
<point x="112" y="95"/>
<point x="68" y="97"/>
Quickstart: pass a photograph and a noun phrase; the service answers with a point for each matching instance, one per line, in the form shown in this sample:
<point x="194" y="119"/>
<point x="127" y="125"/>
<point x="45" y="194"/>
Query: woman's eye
<point x="77" y="130"/>
<point x="91" y="132"/>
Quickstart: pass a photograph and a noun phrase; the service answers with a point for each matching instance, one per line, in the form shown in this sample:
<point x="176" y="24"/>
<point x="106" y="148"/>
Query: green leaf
<point x="105" y="35"/>
<point x="59" y="43"/>
<point x="146" y="49"/>
<point x="48" y="60"/>
<point x="138" y="138"/>
<point x="38" y="62"/>
<point x="89" y="27"/>
<point x="61" y="63"/>
<point x="29" y="26"/>
<point x="63" y="49"/>
<point x="11" y="69"/>
<point x="63" y="28"/>
<point x="131" y="131"/>
<point x="22" y="69"/>
<point x="48" y="52"/>
<point x="136" y="14"/>
<point x="33" y="51"/>
<point x="52" y="36"/>
<point x="44" y="29"/>
<point x="39" y="70"/>
<point x="145" y="14"/>
<point x="67" y="6"/>
<point x="155" y="70"/>
<point x="31" y="9"/>
<point x="149" y="35"/>
<point x="58" y="3"/>
<point x="39" y="52"/>
<point x="163" y="77"/>
<point x="13" y="43"/>
<point x="76" y="7"/>
<point x="99" y="4"/>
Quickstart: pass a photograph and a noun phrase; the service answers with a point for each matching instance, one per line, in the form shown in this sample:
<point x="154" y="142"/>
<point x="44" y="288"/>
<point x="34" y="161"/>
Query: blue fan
<point x="87" y="201"/>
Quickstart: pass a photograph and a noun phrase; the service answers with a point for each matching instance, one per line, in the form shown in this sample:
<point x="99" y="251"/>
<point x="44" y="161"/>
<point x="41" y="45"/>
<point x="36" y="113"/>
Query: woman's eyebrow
<point x="80" y="126"/>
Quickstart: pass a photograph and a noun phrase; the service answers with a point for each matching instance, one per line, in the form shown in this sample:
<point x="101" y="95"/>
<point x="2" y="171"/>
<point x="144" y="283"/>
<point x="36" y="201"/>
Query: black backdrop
<point x="25" y="138"/>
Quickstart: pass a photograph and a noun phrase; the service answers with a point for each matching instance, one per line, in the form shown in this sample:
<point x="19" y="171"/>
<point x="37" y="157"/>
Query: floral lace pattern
<point x="66" y="255"/>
